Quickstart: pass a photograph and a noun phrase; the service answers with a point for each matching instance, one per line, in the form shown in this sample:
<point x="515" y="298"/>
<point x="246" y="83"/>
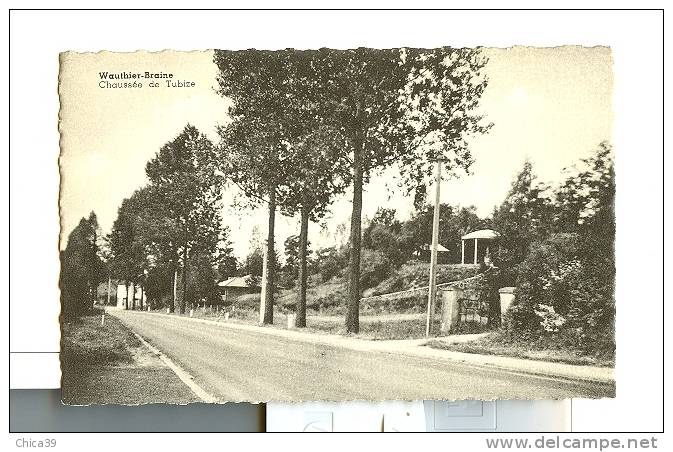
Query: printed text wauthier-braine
<point x="132" y="80"/>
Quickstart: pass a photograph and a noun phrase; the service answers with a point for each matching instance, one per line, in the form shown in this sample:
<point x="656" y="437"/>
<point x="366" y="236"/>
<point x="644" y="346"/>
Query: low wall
<point x="416" y="299"/>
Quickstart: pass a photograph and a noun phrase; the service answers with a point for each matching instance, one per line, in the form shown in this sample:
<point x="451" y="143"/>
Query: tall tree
<point x="524" y="216"/>
<point x="126" y="249"/>
<point x="585" y="199"/>
<point x="406" y="107"/>
<point x="319" y="175"/>
<point x="82" y="267"/>
<point x="156" y="236"/>
<point x="252" y="145"/>
<point x="279" y="148"/>
<point x="188" y="190"/>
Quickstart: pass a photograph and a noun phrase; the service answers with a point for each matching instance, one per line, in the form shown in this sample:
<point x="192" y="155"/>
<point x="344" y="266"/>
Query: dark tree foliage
<point x="127" y="249"/>
<point x="187" y="190"/>
<point x="382" y="234"/>
<point x="82" y="268"/>
<point x="292" y="255"/>
<point x="253" y="264"/>
<point x="524" y="216"/>
<point x="565" y="283"/>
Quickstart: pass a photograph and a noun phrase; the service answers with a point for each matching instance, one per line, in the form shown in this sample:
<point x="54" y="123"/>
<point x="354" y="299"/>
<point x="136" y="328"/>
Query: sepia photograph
<point x="327" y="224"/>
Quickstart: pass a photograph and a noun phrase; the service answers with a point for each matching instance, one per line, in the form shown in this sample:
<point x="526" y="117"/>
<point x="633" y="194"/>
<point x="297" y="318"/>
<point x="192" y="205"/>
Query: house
<point x="135" y="294"/>
<point x="232" y="288"/>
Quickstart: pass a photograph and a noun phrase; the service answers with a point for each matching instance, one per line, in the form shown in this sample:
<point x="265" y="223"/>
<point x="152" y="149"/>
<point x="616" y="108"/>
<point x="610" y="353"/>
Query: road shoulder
<point x="105" y="364"/>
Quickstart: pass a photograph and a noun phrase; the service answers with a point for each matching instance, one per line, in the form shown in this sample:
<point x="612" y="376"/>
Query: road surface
<point x="240" y="365"/>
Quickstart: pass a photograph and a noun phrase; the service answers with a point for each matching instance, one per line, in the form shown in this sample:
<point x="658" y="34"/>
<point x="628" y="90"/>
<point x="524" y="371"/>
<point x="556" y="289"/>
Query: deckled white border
<point x="635" y="38"/>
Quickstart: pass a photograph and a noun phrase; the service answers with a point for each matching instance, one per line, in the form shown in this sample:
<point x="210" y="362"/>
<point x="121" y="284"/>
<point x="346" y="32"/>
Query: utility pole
<point x="432" y="289"/>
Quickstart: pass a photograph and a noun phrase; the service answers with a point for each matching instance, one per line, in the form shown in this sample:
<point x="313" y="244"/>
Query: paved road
<point x="239" y="365"/>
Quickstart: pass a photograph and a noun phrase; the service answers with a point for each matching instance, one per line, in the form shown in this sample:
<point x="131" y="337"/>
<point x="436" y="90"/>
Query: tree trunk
<point x="353" y="313"/>
<point x="183" y="303"/>
<point x="269" y="271"/>
<point x="133" y="298"/>
<point x="94" y="292"/>
<point x="303" y="276"/>
<point x="126" y="302"/>
<point x="174" y="295"/>
<point x="142" y="292"/>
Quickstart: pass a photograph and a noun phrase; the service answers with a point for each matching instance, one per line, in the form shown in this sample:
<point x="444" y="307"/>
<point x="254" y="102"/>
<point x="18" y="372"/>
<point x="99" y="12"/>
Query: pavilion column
<point x="475" y="250"/>
<point x="462" y="251"/>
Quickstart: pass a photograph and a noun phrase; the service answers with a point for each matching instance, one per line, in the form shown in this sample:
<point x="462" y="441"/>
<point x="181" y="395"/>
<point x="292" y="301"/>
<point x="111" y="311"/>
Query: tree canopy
<point x="403" y="107"/>
<point x="82" y="267"/>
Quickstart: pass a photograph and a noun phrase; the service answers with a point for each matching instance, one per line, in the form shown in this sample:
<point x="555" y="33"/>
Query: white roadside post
<point x="432" y="289"/>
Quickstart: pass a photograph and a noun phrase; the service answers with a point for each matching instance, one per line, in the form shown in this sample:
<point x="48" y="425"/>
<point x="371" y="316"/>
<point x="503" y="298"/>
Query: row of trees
<point x="170" y="232"/>
<point x="308" y="124"/>
<point x="304" y="126"/>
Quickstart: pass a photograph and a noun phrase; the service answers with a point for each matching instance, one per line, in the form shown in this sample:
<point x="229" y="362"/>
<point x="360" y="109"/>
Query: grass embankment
<point x="330" y="297"/>
<point x="103" y="364"/>
<point x="396" y="318"/>
<point x="375" y="329"/>
<point x="498" y="343"/>
<point x="379" y="327"/>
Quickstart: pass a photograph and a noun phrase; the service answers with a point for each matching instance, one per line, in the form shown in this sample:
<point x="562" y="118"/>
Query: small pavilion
<point x="426" y="250"/>
<point x="475" y="244"/>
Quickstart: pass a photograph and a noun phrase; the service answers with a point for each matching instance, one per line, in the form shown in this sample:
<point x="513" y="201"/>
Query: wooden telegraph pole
<point x="432" y="289"/>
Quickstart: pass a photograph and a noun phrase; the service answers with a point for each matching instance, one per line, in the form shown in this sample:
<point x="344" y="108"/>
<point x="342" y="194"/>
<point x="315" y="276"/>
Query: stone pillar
<point x="450" y="308"/>
<point x="506" y="299"/>
<point x="291" y="321"/>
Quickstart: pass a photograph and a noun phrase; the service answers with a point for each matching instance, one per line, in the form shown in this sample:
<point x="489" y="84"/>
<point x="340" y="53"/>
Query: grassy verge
<point x="87" y="342"/>
<point x="497" y="344"/>
<point x="370" y="328"/>
<point x="376" y="330"/>
<point x="106" y="364"/>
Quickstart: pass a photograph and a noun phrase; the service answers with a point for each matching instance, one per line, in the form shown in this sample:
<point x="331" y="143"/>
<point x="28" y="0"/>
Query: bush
<point x="565" y="293"/>
<point x="332" y="301"/>
<point x="375" y="266"/>
<point x="331" y="262"/>
<point x="384" y="240"/>
<point x="411" y="275"/>
<point x="248" y="301"/>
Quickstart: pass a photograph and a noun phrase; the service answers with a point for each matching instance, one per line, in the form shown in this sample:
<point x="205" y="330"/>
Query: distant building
<point x="232" y="288"/>
<point x="442" y="253"/>
<point x="135" y="293"/>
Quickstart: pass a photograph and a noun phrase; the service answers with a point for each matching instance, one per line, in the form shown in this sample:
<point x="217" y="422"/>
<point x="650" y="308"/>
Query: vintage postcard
<point x="336" y="225"/>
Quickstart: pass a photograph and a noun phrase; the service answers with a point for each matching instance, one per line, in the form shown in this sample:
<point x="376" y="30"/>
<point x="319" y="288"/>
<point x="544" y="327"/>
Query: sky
<point x="549" y="105"/>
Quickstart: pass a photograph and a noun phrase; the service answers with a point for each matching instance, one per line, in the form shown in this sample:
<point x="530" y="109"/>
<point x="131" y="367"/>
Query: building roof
<point x="440" y="248"/>
<point x="482" y="234"/>
<point x="238" y="281"/>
